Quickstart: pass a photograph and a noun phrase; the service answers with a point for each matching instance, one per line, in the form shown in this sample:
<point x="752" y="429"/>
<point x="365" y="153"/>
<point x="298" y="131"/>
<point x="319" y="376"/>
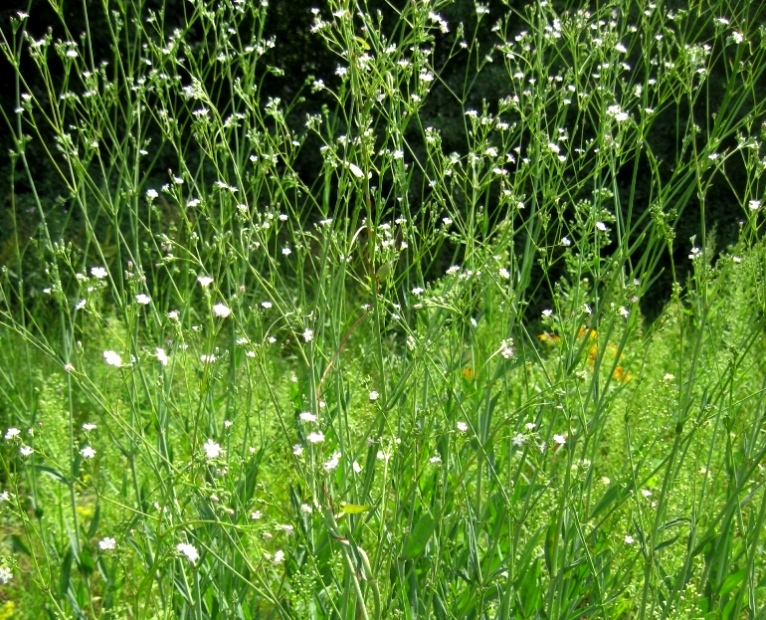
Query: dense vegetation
<point x="378" y="344"/>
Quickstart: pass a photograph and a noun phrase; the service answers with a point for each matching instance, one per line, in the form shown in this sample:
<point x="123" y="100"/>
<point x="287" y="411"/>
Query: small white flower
<point x="151" y="194"/>
<point x="646" y="492"/>
<point x="25" y="450"/>
<point x="565" y="242"/>
<point x="88" y="427"/>
<point x="435" y="459"/>
<point x="142" y="299"/>
<point x="68" y="368"/>
<point x="190" y="551"/>
<point x="519" y="440"/>
<point x="112" y="358"/>
<point x="356" y="467"/>
<point x="98" y="272"/>
<point x="204" y="281"/>
<point x="333" y="462"/>
<point x="315" y="437"/>
<point x="107" y="544"/>
<point x="629" y="540"/>
<point x="462" y="426"/>
<point x="308" y="334"/>
<point x="87" y="452"/>
<point x="12" y="433"/>
<point x="307" y="416"/>
<point x="530" y="426"/>
<point x="560" y="439"/>
<point x="306" y="509"/>
<point x="668" y="377"/>
<point x="754" y="205"/>
<point x="355" y="170"/>
<point x="417" y="291"/>
<point x="5" y="574"/>
<point x="162" y="357"/>
<point x="173" y="315"/>
<point x="212" y="449"/>
<point x="266" y="305"/>
<point x="221" y="311"/>
<point x="286" y="251"/>
<point x="601" y="226"/>
<point x="279" y="557"/>
<point x="256" y="515"/>
<point x="373" y="396"/>
<point x="297" y="449"/>
<point x="606" y="481"/>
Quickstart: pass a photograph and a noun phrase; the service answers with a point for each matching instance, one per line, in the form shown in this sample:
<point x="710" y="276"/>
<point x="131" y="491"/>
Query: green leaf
<point x="732" y="582"/>
<point x="354" y="509"/>
<point x="418" y="538"/>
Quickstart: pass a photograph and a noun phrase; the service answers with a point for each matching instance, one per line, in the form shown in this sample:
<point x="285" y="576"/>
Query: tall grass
<point x="417" y="384"/>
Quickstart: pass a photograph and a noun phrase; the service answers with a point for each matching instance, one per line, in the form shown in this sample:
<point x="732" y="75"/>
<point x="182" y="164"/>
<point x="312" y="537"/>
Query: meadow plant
<point x="418" y="383"/>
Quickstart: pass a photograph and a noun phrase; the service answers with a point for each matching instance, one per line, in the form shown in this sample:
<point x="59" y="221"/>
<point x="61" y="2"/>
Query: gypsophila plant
<point x="414" y="379"/>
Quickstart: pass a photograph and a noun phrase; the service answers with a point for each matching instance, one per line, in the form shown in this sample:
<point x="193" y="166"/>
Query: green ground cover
<point x="419" y="384"/>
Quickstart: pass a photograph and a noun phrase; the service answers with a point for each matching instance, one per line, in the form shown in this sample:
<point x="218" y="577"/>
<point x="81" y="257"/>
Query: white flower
<point x="279" y="557"/>
<point x="25" y="450"/>
<point x="333" y="462"/>
<point x="356" y="467"/>
<point x="5" y="497"/>
<point x="374" y="396"/>
<point x="112" y="358"/>
<point x="307" y="416"/>
<point x="629" y="540"/>
<point x="142" y="299"/>
<point x="417" y="291"/>
<point x="204" y="281"/>
<point x="565" y="242"/>
<point x="266" y="304"/>
<point x="256" y="515"/>
<point x="221" y="311"/>
<point x="754" y="205"/>
<point x="190" y="551"/>
<point x="161" y="356"/>
<point x="98" y="272"/>
<point x="646" y="492"/>
<point x="560" y="439"/>
<point x="151" y="194"/>
<point x="286" y="251"/>
<point x="12" y="432"/>
<point x="315" y="437"/>
<point x="212" y="449"/>
<point x="605" y="480"/>
<point x="355" y="170"/>
<point x="297" y="449"/>
<point x="88" y="452"/>
<point x="5" y="574"/>
<point x="88" y="427"/>
<point x="107" y="544"/>
<point x="462" y="427"/>
<point x="530" y="426"/>
<point x="547" y="312"/>
<point x="519" y="440"/>
<point x="435" y="459"/>
<point x="308" y="334"/>
<point x="601" y="226"/>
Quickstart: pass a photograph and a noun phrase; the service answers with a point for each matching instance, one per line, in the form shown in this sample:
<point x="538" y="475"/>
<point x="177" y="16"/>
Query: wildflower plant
<point x="419" y="382"/>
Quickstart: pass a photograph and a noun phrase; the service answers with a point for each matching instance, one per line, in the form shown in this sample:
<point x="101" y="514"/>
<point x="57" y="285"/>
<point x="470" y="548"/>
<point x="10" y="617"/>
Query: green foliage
<point x="417" y="382"/>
